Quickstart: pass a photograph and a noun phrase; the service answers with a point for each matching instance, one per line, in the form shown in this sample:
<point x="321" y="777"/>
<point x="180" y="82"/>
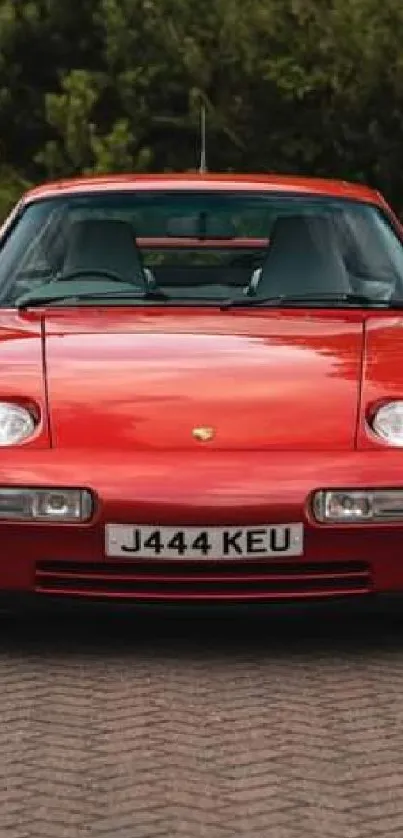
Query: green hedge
<point x="307" y="86"/>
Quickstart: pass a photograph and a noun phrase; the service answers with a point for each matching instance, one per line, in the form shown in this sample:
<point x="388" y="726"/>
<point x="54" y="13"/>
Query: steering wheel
<point x="111" y="275"/>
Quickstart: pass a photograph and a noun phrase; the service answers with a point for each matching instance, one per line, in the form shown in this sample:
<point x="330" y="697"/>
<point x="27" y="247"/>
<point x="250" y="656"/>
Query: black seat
<point x="303" y="258"/>
<point x="105" y="245"/>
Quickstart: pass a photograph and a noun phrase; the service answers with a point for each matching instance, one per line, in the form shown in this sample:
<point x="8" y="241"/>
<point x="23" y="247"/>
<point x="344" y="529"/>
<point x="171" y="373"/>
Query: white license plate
<point x="255" y="542"/>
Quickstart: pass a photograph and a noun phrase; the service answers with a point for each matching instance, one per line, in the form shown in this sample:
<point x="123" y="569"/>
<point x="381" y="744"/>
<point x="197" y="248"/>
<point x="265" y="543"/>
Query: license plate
<point x="256" y="542"/>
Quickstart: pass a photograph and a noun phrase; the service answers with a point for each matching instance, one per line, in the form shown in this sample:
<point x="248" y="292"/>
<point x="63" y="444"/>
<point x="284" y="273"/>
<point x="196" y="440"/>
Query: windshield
<point x="148" y="248"/>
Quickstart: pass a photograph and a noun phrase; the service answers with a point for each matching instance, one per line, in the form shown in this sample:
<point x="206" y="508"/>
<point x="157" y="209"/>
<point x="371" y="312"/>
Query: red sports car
<point x="201" y="390"/>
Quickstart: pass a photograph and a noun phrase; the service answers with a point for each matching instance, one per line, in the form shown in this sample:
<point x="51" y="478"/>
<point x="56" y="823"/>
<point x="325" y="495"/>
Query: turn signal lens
<point x="358" y="506"/>
<point x="64" y="505"/>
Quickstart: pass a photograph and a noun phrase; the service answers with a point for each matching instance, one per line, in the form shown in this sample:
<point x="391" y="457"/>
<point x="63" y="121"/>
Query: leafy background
<point x="300" y="86"/>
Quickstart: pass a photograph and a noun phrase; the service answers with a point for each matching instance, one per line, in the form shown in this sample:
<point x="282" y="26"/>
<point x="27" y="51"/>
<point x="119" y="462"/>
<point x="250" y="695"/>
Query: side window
<point x="361" y="251"/>
<point x="30" y="254"/>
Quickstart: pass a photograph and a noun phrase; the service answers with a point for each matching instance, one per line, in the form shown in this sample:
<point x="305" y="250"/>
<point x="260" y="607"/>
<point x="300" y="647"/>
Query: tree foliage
<point x="307" y="86"/>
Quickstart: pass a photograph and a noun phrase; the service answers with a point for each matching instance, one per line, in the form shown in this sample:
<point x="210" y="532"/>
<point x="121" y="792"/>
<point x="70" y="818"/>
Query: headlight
<point x="64" y="505"/>
<point x="387" y="423"/>
<point x="16" y="424"/>
<point x="355" y="506"/>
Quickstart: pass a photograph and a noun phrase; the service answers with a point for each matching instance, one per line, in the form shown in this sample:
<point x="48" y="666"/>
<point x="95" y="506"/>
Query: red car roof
<point x="224" y="182"/>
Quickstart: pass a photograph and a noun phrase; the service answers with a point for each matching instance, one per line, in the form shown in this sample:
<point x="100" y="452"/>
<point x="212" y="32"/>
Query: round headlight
<point x="16" y="424"/>
<point x="388" y="423"/>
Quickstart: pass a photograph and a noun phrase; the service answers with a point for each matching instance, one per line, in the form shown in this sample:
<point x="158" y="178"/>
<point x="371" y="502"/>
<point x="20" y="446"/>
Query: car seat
<point x="303" y="258"/>
<point x="105" y="245"/>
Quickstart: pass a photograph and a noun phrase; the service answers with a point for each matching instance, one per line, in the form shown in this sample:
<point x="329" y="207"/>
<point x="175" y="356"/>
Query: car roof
<point x="218" y="182"/>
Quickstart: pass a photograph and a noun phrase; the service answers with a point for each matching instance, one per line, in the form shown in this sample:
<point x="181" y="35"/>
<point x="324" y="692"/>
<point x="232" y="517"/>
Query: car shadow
<point x="213" y="633"/>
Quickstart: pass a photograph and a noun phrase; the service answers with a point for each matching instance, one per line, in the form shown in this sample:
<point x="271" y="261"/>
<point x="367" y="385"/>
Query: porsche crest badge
<point x="203" y="434"/>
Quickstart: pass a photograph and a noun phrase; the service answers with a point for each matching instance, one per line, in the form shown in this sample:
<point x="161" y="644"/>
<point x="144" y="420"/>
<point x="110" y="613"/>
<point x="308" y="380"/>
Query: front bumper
<point x="201" y="489"/>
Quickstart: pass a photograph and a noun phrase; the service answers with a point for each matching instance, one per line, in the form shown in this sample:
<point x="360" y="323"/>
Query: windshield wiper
<point x="38" y="300"/>
<point x="294" y="299"/>
<point x="156" y="295"/>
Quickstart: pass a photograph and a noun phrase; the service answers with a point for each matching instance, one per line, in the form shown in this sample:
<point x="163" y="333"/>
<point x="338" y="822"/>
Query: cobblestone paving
<point x="284" y="726"/>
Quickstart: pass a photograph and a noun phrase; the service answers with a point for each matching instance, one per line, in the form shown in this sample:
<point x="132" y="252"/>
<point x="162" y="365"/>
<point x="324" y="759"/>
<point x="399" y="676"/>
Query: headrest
<point x="303" y="257"/>
<point x="104" y="244"/>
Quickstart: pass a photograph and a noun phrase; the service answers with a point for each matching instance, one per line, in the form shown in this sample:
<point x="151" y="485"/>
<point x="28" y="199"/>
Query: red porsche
<point x="201" y="391"/>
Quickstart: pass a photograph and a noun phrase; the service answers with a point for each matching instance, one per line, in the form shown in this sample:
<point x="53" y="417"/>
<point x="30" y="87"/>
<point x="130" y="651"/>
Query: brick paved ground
<point x="284" y="727"/>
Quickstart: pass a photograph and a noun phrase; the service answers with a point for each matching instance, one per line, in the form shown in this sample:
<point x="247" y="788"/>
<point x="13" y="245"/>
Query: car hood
<point x="152" y="378"/>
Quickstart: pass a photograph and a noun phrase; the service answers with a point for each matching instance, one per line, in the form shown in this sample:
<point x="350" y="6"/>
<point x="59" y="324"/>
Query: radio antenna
<point x="203" y="150"/>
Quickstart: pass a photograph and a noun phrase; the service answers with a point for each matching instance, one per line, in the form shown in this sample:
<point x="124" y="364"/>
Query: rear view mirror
<point x="201" y="226"/>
